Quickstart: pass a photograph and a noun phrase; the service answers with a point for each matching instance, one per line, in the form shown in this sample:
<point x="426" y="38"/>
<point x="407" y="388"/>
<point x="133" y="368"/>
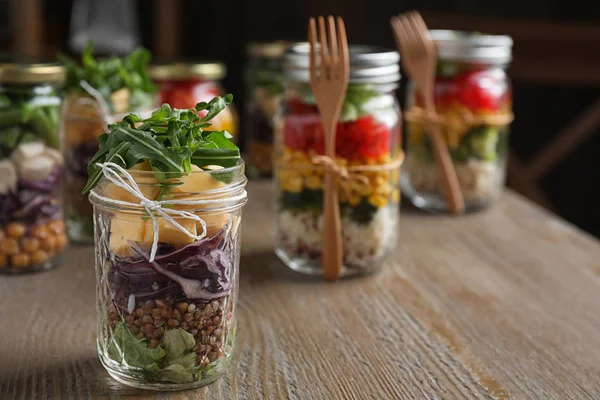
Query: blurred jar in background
<point x="474" y="99"/>
<point x="264" y="91"/>
<point x="32" y="231"/>
<point x="367" y="146"/>
<point x="183" y="85"/>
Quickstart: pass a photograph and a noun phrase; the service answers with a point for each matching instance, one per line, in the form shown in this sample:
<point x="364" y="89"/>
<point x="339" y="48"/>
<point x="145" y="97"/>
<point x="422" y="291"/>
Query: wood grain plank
<point x="494" y="305"/>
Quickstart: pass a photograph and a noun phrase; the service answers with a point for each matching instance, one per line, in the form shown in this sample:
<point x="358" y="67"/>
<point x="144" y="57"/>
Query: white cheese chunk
<point x="8" y="176"/>
<point x="27" y="150"/>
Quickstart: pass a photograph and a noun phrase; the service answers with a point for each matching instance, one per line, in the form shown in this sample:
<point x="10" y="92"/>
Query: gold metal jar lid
<point x="13" y="72"/>
<point x="268" y="49"/>
<point x="184" y="70"/>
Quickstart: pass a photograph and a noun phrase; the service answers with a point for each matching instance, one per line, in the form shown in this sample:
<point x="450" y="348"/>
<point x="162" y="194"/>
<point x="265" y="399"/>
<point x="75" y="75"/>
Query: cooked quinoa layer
<point x="364" y="243"/>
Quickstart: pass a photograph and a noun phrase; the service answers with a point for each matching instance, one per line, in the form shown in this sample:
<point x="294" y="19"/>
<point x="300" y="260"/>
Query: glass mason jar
<point x="183" y="85"/>
<point x="83" y="121"/>
<point x="32" y="231"/>
<point x="168" y="324"/>
<point x="265" y="88"/>
<point x="368" y="144"/>
<point x="473" y="96"/>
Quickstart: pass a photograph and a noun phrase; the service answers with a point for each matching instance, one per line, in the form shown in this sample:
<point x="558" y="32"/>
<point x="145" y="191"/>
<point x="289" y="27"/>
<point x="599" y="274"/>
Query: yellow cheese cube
<point x="214" y="222"/>
<point x="195" y="182"/>
<point x="148" y="186"/>
<point x="125" y="229"/>
<point x="168" y="233"/>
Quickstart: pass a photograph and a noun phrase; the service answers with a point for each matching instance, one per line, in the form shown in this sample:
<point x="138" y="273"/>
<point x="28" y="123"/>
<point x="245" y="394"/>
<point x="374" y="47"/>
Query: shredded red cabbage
<point x="200" y="270"/>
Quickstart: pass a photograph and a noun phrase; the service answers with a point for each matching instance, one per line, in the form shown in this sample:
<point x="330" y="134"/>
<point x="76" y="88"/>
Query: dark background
<point x="555" y="72"/>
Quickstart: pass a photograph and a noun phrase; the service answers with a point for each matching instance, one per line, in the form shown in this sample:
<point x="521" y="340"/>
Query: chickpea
<point x="61" y="241"/>
<point x="30" y="244"/>
<point x="57" y="226"/>
<point x="3" y="260"/>
<point x="16" y="229"/>
<point x="40" y="232"/>
<point x="49" y="243"/>
<point x="9" y="246"/>
<point x="39" y="257"/>
<point x="20" y="260"/>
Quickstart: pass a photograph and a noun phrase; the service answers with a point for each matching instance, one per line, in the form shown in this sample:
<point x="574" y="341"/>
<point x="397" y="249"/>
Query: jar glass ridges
<point x="264" y="87"/>
<point x="473" y="96"/>
<point x="367" y="137"/>
<point x="32" y="232"/>
<point x="183" y="85"/>
<point x="152" y="332"/>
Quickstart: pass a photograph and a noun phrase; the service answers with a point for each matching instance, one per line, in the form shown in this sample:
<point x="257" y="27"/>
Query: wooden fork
<point x="329" y="82"/>
<point x="419" y="61"/>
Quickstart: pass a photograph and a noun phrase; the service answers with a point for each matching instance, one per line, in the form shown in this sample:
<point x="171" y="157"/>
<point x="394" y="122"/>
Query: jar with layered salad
<point x="104" y="97"/>
<point x="167" y="237"/>
<point x="32" y="231"/>
<point x="473" y="99"/>
<point x="183" y="84"/>
<point x="264" y="90"/>
<point x="368" y="151"/>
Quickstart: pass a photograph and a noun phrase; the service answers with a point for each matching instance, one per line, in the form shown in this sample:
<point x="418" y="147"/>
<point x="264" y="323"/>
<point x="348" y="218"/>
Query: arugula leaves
<point x="110" y="74"/>
<point x="171" y="139"/>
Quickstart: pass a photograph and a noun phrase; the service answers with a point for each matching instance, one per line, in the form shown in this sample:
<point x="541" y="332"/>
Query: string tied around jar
<point x="119" y="176"/>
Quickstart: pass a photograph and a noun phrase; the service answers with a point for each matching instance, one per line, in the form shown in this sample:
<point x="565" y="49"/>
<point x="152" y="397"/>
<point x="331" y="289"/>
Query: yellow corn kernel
<point x="379" y="181"/>
<point x="293" y="183"/>
<point x="300" y="156"/>
<point x="377" y="200"/>
<point x="396" y="196"/>
<point x="384" y="189"/>
<point x="395" y="175"/>
<point x="385" y="158"/>
<point x="353" y="200"/>
<point x="313" y="182"/>
<point x="364" y="189"/>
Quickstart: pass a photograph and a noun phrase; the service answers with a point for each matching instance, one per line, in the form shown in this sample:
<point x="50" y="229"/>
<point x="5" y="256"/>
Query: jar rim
<point x="178" y="71"/>
<point x="31" y="73"/>
<point x="455" y="45"/>
<point x="270" y="50"/>
<point x="368" y="64"/>
<point x="230" y="202"/>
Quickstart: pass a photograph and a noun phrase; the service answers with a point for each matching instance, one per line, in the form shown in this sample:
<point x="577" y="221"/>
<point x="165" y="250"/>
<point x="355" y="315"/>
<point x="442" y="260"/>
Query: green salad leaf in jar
<point x="171" y="139"/>
<point x="111" y="74"/>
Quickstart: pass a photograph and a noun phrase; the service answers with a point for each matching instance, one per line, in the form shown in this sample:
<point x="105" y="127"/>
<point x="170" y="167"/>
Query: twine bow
<point x="121" y="178"/>
<point x="341" y="171"/>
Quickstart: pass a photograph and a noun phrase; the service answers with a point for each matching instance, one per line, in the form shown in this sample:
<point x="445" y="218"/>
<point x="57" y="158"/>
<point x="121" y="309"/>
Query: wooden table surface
<point x="500" y="304"/>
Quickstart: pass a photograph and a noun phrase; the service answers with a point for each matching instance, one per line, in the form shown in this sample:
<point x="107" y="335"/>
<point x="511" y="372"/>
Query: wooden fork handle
<point x="331" y="257"/>
<point x="449" y="179"/>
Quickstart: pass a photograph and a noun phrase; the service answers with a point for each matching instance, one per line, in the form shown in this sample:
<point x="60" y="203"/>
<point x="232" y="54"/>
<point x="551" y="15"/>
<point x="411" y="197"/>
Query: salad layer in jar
<point x="112" y="87"/>
<point x="265" y="89"/>
<point x="32" y="231"/>
<point x="183" y="85"/>
<point x="368" y="146"/>
<point x="167" y="270"/>
<point x="474" y="102"/>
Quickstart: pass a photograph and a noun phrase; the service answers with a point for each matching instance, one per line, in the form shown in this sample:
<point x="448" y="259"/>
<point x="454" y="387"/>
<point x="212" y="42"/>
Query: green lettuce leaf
<point x="124" y="346"/>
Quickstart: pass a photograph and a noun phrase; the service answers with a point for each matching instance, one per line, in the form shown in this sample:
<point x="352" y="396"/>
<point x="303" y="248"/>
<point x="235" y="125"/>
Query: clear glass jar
<point x="473" y="95"/>
<point x="168" y="324"/>
<point x="32" y="231"/>
<point x="368" y="134"/>
<point x="265" y="89"/>
<point x="183" y="85"/>
<point x="82" y="122"/>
